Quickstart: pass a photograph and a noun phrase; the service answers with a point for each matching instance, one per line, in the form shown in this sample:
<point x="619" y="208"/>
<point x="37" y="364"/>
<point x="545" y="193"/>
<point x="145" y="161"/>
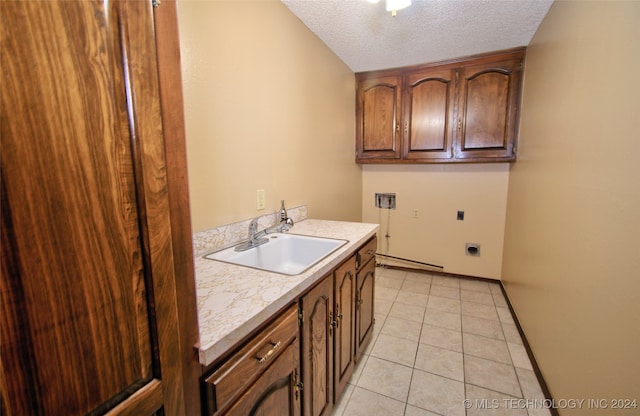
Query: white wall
<point x="438" y="192"/>
<point x="267" y="106"/>
<point x="572" y="259"/>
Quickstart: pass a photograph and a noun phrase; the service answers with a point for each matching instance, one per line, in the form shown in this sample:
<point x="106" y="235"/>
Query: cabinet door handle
<point x="269" y="353"/>
<point x="398" y="127"/>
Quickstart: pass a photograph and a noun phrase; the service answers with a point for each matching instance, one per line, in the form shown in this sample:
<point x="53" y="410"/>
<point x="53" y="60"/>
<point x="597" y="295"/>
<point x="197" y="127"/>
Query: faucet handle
<point x="253" y="227"/>
<point x="283" y="212"/>
<point x="286" y="224"/>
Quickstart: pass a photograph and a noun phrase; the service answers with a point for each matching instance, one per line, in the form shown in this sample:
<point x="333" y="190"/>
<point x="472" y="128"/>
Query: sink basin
<point x="284" y="253"/>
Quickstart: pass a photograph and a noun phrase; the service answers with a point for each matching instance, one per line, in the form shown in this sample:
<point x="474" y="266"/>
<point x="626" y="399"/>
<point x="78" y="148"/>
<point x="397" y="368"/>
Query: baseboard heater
<point x="410" y="261"/>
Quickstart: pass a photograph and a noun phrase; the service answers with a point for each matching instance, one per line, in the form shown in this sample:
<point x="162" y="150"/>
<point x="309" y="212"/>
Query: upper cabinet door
<point x="488" y="110"/>
<point x="378" y="118"/>
<point x="89" y="320"/>
<point x="458" y="111"/>
<point x="428" y="114"/>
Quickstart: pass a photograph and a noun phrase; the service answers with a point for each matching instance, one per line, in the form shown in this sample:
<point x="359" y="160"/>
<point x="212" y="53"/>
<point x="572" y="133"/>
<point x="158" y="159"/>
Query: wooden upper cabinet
<point x="488" y="110"/>
<point x="428" y="114"/>
<point x="464" y="110"/>
<point x="378" y="118"/>
<point x="89" y="319"/>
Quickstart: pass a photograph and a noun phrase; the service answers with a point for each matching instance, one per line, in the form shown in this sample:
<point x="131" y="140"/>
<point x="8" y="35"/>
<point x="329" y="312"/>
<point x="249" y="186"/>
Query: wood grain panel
<point x="489" y="96"/>
<point x="168" y="47"/>
<point x="378" y="115"/>
<point x="82" y="275"/>
<point x="344" y="351"/>
<point x="486" y="110"/>
<point x="429" y="114"/>
<point x="88" y="284"/>
<point x="274" y="393"/>
<point x="365" y="281"/>
<point x="317" y="349"/>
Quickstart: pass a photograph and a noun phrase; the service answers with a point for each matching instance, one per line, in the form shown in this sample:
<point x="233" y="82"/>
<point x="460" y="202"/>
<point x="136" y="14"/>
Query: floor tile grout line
<point x="461" y="331"/>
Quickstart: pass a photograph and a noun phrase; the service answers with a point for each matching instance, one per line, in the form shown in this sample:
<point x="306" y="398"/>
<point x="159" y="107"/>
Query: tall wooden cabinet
<point x="96" y="315"/>
<point x="464" y="110"/>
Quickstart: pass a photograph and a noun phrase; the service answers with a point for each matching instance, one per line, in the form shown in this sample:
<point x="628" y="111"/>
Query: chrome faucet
<point x="257" y="238"/>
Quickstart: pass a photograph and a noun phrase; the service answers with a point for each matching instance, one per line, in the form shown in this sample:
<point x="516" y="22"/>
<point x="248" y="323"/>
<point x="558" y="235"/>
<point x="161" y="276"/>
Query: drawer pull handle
<point x="371" y="251"/>
<point x="269" y="353"/>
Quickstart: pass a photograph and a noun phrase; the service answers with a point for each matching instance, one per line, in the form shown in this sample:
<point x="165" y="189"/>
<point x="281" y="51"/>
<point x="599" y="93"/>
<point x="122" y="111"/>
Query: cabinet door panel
<point x="89" y="314"/>
<point x="428" y="115"/>
<point x="488" y="110"/>
<point x="378" y="108"/>
<point x="345" y="285"/>
<point x="317" y="349"/>
<point x="274" y="393"/>
<point x="365" y="282"/>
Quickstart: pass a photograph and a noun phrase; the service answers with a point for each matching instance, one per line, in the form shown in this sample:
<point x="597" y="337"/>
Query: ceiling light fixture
<point x="394" y="5"/>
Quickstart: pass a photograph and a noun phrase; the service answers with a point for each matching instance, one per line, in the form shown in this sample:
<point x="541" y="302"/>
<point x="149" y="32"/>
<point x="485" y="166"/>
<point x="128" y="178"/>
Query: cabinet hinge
<point x="155" y="3"/>
<point x="300" y="316"/>
<point x="297" y="384"/>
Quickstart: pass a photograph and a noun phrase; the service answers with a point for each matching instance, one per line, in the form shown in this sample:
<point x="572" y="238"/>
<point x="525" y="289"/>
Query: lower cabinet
<point x="365" y="293"/>
<point x="303" y="359"/>
<point x="275" y="391"/>
<point x="336" y="327"/>
<point x="345" y="332"/>
<point x="317" y="320"/>
<point x="262" y="377"/>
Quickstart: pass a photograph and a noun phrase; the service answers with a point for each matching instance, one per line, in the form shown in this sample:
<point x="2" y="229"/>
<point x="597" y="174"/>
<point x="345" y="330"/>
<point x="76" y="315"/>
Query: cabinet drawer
<point x="366" y="253"/>
<point x="245" y="366"/>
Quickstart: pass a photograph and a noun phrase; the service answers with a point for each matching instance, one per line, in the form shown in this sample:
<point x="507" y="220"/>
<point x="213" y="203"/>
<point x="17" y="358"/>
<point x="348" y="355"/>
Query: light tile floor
<point x="442" y="346"/>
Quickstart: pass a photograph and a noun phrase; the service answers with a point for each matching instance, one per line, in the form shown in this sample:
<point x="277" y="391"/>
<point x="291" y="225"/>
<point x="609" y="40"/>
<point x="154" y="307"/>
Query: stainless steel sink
<point x="285" y="253"/>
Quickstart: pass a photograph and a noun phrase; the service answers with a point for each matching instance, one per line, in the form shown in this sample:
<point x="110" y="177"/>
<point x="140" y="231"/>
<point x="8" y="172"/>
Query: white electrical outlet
<point x="260" y="203"/>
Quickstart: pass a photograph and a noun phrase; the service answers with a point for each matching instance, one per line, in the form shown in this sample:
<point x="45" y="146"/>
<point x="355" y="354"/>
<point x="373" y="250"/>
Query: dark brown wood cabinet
<point x="345" y="341"/>
<point x="488" y="104"/>
<point x="93" y="301"/>
<point x="365" y="295"/>
<point x="337" y="325"/>
<point x="275" y="392"/>
<point x="263" y="376"/>
<point x="378" y="129"/>
<point x="317" y="348"/>
<point x="463" y="110"/>
<point x="428" y="114"/>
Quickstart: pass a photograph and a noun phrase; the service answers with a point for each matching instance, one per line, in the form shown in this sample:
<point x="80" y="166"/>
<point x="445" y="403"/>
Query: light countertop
<point x="235" y="300"/>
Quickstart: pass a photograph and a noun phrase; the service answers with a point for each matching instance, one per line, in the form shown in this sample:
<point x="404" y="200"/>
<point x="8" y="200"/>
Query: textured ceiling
<point x="366" y="37"/>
